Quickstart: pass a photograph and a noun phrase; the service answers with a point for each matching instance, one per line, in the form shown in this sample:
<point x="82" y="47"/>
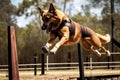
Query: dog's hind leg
<point x="87" y="45"/>
<point x="106" y="51"/>
<point x="96" y="52"/>
<point x="97" y="43"/>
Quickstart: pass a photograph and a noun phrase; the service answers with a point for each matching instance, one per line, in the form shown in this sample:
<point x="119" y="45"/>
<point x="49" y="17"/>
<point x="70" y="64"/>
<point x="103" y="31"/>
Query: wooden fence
<point x="72" y="65"/>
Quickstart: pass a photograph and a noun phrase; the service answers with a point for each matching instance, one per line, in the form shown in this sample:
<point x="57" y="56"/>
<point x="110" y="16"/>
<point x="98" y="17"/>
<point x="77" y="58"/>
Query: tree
<point x="65" y="3"/>
<point x="7" y="13"/>
<point x="3" y="45"/>
<point x="7" y="17"/>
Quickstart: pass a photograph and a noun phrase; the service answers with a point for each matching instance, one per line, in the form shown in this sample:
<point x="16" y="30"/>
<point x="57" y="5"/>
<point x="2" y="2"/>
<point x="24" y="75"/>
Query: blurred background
<point x="23" y="14"/>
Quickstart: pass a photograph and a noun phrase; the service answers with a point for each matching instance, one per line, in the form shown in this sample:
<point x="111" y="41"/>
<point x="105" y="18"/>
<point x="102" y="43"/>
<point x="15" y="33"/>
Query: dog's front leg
<point x="65" y="37"/>
<point x="49" y="43"/>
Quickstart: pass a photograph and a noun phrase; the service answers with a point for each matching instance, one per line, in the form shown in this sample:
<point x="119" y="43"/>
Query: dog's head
<point x="51" y="18"/>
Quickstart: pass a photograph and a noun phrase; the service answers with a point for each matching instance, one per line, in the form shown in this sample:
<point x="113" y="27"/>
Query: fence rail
<point x="72" y="65"/>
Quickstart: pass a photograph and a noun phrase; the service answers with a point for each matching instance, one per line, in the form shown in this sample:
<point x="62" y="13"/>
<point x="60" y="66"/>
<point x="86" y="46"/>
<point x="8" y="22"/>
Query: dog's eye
<point x="45" y="19"/>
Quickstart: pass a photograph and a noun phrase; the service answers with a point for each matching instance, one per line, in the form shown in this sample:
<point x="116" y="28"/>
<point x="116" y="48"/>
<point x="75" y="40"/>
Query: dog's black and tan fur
<point x="57" y="24"/>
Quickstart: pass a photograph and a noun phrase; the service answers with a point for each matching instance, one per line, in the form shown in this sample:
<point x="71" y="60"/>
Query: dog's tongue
<point x="48" y="29"/>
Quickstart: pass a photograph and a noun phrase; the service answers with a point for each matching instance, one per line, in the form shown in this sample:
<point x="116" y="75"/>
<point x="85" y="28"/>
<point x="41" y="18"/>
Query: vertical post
<point x="81" y="67"/>
<point x="108" y="65"/>
<point x="112" y="23"/>
<point x="12" y="55"/>
<point x="35" y="62"/>
<point x="69" y="59"/>
<point x="47" y="60"/>
<point x="42" y="64"/>
<point x="91" y="62"/>
<point x="87" y="60"/>
<point x="112" y="27"/>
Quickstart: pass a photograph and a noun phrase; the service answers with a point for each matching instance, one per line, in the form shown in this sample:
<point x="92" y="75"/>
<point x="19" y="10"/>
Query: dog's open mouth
<point x="48" y="29"/>
<point x="44" y="27"/>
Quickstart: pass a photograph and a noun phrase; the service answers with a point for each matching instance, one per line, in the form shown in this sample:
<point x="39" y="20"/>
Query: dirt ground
<point x="60" y="74"/>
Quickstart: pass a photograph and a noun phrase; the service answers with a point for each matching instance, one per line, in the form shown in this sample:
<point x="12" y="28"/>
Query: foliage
<point x="29" y="42"/>
<point x="3" y="45"/>
<point x="7" y="13"/>
<point x="7" y="17"/>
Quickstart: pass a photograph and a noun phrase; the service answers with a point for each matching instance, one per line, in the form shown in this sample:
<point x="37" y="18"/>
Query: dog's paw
<point x="52" y="52"/>
<point x="45" y="49"/>
<point x="108" y="53"/>
<point x="97" y="53"/>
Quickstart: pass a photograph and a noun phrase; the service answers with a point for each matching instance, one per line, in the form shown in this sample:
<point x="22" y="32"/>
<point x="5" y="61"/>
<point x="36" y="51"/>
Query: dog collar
<point x="71" y="27"/>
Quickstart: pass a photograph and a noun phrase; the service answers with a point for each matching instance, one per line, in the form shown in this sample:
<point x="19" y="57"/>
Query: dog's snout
<point x="44" y="27"/>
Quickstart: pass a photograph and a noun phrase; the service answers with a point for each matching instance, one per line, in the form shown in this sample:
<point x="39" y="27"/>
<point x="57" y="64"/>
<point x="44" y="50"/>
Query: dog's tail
<point x="104" y="38"/>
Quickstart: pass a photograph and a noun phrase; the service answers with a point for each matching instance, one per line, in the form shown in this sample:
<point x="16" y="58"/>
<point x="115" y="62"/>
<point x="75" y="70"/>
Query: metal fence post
<point x="47" y="61"/>
<point x="81" y="66"/>
<point x="42" y="64"/>
<point x="35" y="62"/>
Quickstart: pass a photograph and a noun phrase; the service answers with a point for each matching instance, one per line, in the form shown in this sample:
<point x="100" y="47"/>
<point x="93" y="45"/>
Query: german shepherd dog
<point x="57" y="24"/>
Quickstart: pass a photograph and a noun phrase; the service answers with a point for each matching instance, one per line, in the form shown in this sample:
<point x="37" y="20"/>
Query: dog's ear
<point x="52" y="9"/>
<point x="41" y="10"/>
